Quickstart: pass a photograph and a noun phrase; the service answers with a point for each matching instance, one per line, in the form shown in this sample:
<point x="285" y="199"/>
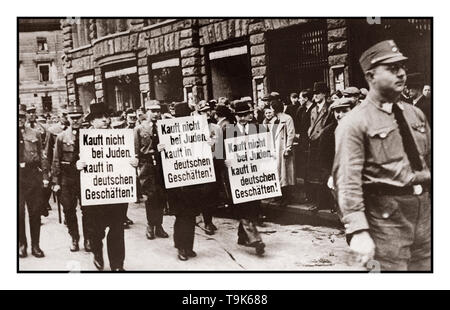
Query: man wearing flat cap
<point x="352" y="93"/>
<point x="382" y="169"/>
<point x="339" y="108"/>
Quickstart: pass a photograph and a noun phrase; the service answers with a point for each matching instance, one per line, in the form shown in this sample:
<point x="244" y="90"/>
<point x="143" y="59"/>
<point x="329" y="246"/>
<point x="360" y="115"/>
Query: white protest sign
<point x="108" y="177"/>
<point x="187" y="157"/>
<point x="253" y="172"/>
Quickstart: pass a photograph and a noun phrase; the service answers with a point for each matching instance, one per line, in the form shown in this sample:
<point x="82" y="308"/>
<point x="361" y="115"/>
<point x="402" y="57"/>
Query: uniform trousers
<point x="30" y="194"/>
<point x="400" y="226"/>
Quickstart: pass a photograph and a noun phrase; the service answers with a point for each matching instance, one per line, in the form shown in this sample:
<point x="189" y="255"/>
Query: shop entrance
<point x="121" y="87"/>
<point x="230" y="73"/>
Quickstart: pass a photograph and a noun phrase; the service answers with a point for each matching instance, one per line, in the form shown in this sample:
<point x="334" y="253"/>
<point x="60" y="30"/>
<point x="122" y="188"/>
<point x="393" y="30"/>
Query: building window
<point x="47" y="103"/>
<point x="167" y="80"/>
<point x="44" y="72"/>
<point x="85" y="90"/>
<point x="42" y="45"/>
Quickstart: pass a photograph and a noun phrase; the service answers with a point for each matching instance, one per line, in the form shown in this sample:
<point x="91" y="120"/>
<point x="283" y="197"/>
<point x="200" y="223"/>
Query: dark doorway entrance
<point x="297" y="57"/>
<point x="230" y="72"/>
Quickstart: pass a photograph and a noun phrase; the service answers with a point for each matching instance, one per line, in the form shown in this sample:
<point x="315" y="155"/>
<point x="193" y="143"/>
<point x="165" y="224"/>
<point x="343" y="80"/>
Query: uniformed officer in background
<point x="151" y="173"/>
<point x="382" y="169"/>
<point x="31" y="181"/>
<point x="66" y="178"/>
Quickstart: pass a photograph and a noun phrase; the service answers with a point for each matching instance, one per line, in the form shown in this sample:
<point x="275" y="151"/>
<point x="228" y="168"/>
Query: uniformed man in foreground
<point x="382" y="169"/>
<point x="151" y="174"/>
<point x="66" y="178"/>
<point x="31" y="181"/>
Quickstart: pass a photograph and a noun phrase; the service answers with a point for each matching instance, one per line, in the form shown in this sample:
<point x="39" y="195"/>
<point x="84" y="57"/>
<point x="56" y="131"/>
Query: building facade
<point x="40" y="64"/>
<point x="124" y="61"/>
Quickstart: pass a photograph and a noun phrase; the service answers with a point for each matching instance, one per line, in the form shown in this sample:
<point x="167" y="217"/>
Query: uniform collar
<point x="386" y="107"/>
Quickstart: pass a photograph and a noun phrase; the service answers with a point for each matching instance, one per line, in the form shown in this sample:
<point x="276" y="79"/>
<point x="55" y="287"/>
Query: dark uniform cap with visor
<point x="385" y="52"/>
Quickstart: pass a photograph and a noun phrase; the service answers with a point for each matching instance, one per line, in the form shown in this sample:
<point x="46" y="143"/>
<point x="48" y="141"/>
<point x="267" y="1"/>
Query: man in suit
<point x="247" y="212"/>
<point x="292" y="108"/>
<point x="320" y="118"/>
<point x="302" y="122"/>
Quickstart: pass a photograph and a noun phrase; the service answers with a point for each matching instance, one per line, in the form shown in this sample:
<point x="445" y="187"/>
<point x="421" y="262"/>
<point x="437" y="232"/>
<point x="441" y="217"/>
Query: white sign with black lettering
<point x="253" y="172"/>
<point x="108" y="177"/>
<point x="187" y="157"/>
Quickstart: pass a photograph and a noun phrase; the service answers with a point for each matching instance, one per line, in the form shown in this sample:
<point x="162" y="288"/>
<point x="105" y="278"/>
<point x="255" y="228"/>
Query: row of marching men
<point x="55" y="165"/>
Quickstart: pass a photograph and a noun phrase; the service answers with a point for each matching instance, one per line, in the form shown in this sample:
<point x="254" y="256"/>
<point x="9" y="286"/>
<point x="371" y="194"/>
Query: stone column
<point x="66" y="28"/>
<point x="192" y="60"/>
<point x="257" y="54"/>
<point x="337" y="49"/>
<point x="98" y="84"/>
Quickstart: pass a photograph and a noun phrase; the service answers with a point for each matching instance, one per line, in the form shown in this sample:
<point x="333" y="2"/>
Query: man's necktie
<point x="408" y="141"/>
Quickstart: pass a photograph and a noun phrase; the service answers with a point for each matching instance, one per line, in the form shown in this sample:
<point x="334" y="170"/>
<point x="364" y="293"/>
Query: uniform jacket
<point x="369" y="150"/>
<point x="65" y="155"/>
<point x="30" y="150"/>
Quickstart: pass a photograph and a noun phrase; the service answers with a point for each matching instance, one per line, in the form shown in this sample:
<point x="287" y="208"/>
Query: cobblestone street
<point x="288" y="248"/>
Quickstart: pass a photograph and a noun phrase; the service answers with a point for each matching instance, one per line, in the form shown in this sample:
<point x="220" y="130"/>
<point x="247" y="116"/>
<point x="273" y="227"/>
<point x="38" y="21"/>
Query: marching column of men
<point x="363" y="154"/>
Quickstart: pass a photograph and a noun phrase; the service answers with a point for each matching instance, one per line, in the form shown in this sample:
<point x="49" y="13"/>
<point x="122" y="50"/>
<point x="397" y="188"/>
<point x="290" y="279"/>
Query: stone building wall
<point x="190" y="38"/>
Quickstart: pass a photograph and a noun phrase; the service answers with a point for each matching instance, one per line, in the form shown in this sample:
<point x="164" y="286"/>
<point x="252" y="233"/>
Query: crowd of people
<point x="304" y="129"/>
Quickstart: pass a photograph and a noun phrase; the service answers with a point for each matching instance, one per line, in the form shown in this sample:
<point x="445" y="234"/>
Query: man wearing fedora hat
<point x="104" y="216"/>
<point x="247" y="212"/>
<point x="320" y="118"/>
<point x="66" y="177"/>
<point x="151" y="174"/>
<point x="382" y="169"/>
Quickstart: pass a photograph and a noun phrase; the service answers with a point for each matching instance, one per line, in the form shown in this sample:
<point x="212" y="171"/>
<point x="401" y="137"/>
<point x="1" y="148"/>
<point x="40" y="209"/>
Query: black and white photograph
<point x="224" y="144"/>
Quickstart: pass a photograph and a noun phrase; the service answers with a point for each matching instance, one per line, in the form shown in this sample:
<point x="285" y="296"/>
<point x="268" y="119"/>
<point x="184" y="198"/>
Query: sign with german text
<point x="108" y="177"/>
<point x="187" y="156"/>
<point x="253" y="172"/>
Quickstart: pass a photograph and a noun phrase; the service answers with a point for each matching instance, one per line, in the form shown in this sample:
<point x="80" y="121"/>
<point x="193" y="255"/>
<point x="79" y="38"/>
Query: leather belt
<point x="384" y="189"/>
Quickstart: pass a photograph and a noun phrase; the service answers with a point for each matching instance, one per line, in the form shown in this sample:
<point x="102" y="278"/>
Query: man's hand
<point x="330" y="183"/>
<point x="80" y="165"/>
<point x="227" y="163"/>
<point x="56" y="188"/>
<point x="134" y="162"/>
<point x="45" y="182"/>
<point x="363" y="245"/>
<point x="161" y="147"/>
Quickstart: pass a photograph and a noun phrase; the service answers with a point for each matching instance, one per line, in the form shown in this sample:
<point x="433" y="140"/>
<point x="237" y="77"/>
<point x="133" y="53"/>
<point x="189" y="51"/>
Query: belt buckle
<point x="417" y="190"/>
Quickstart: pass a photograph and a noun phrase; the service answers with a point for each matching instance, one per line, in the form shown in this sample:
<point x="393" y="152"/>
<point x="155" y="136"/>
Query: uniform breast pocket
<point x="31" y="145"/>
<point x="68" y="149"/>
<point x="420" y="136"/>
<point x="385" y="144"/>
